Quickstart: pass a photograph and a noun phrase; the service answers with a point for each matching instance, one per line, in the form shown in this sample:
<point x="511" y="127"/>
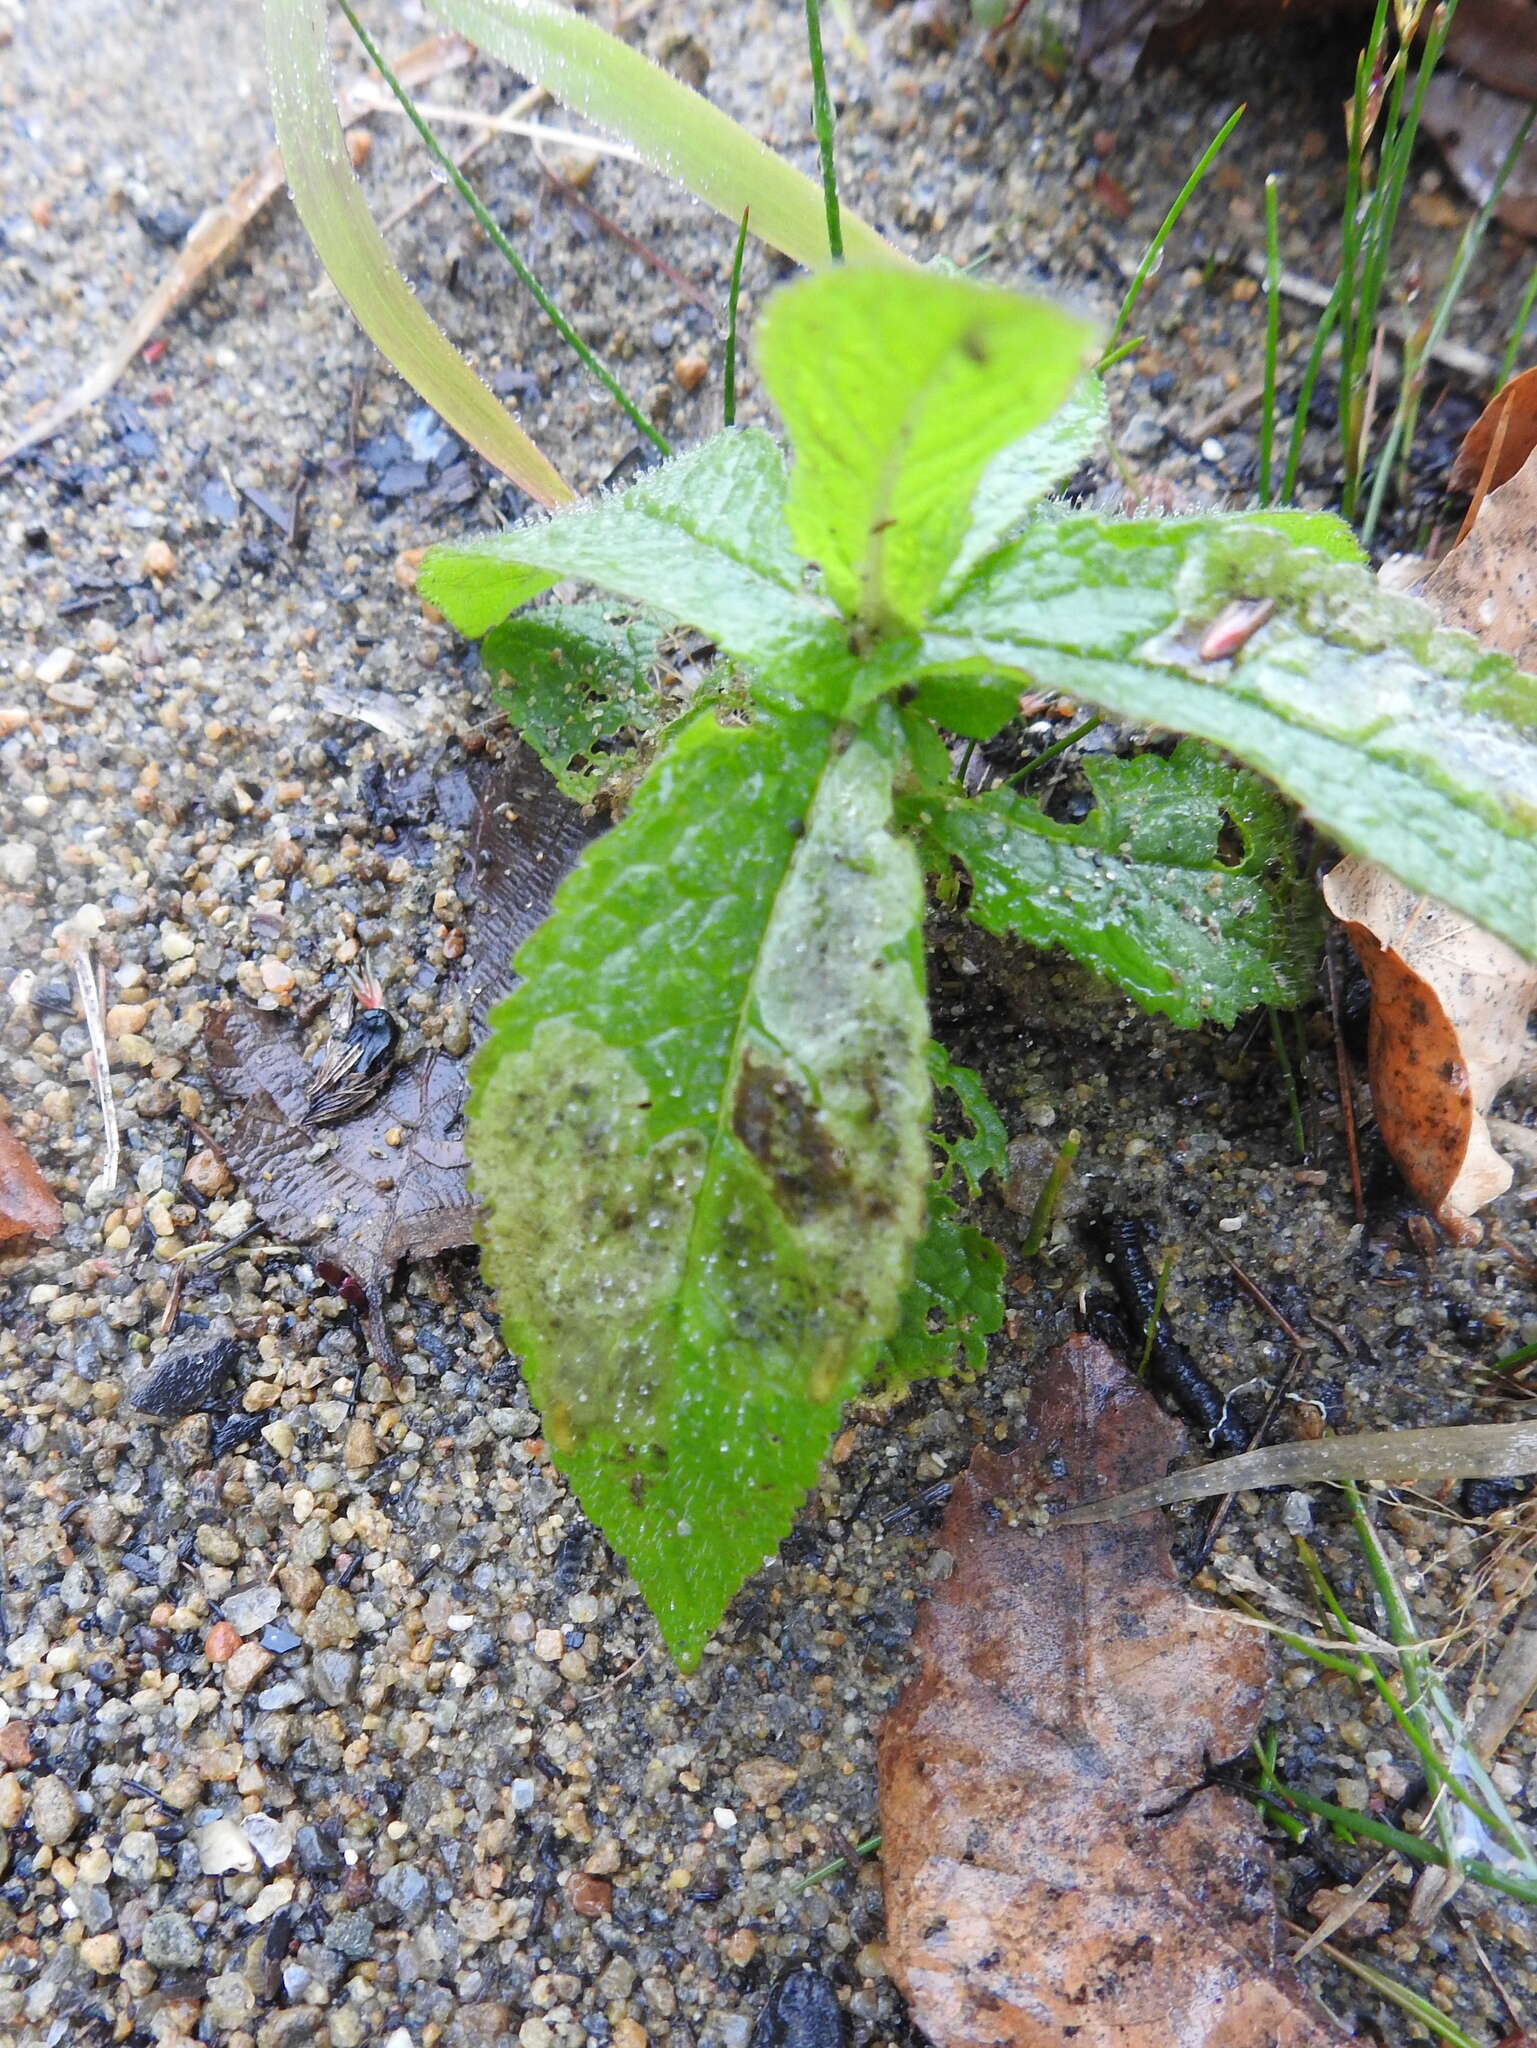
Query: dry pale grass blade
<point x="1448" y="1030"/>
<point x="75" y="946"/>
<point x="1056" y="1867"/>
<point x="351" y="245"/>
<point x="1386" y="1457"/>
<point x="210" y="240"/>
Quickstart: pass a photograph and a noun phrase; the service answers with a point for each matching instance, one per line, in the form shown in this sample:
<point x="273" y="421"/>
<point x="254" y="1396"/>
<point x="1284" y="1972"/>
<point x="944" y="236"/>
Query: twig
<point x="572" y="197"/>
<point x="217" y="232"/>
<point x="1262" y="1300"/>
<point x="1291" y="284"/>
<point x="509" y="123"/>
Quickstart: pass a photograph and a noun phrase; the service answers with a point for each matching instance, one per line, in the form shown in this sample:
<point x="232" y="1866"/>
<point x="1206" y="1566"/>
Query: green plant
<point x="1393" y="72"/>
<point x="699" y="1123"/>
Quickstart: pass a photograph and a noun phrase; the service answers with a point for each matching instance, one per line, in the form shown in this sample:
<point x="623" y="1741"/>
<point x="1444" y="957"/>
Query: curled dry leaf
<point x="1487" y="585"/>
<point x="1055" y="1867"/>
<point x="1448" y="1030"/>
<point x="1500" y="439"/>
<point x="28" y="1207"/>
<point x="392" y="1183"/>
<point x="388" y="1185"/>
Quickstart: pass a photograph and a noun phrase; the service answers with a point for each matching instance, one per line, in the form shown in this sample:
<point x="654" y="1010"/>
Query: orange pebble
<point x="223" y="1641"/>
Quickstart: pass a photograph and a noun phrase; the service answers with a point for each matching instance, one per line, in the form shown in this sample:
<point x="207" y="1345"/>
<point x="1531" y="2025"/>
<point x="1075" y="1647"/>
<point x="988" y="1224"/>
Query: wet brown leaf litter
<point x="1448" y="1030"/>
<point x="364" y="1170"/>
<point x="325" y="1718"/>
<point x="1056" y="1867"/>
<point x="28" y="1206"/>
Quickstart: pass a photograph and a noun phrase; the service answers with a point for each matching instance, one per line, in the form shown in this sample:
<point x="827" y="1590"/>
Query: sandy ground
<point x="477" y="1803"/>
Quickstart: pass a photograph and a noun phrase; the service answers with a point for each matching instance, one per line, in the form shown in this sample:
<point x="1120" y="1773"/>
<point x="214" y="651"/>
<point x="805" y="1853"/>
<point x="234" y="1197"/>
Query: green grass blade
<point x="822" y="113"/>
<point x="1155" y="246"/>
<point x="676" y="130"/>
<point x="335" y="214"/>
<point x="1272" y="336"/>
<point x="1517" y="332"/>
<point x="728" y="416"/>
<point x="492" y="230"/>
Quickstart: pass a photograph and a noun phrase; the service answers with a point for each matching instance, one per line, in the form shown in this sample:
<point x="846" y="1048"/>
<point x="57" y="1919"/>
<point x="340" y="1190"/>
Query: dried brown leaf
<point x="1506" y="429"/>
<point x="28" y="1207"/>
<point x="349" y="1195"/>
<point x="391" y="1183"/>
<point x="1055" y="1868"/>
<point x="1448" y="1030"/>
<point x="1487" y="585"/>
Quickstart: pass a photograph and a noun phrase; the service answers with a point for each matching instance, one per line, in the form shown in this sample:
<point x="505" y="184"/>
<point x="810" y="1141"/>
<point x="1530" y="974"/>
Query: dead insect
<point x="1232" y="626"/>
<point x="356" y="1066"/>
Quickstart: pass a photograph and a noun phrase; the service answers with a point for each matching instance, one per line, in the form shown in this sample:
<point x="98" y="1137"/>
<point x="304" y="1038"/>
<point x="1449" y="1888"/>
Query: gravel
<point x="378" y="1628"/>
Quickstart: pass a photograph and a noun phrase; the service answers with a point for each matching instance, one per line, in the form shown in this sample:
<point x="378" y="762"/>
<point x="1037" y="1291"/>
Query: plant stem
<point x="1367" y="1827"/>
<point x="729" y="414"/>
<point x="1406" y="413"/>
<point x="1518" y="331"/>
<point x="1155" y="247"/>
<point x="822" y="111"/>
<point x="1151" y="1333"/>
<point x="525" y="276"/>
<point x="1057" y="747"/>
<point x="867" y="1847"/>
<point x="1430" y="2016"/>
<point x="1328" y="319"/>
<point x="1272" y="342"/>
<point x="1046" y="1202"/>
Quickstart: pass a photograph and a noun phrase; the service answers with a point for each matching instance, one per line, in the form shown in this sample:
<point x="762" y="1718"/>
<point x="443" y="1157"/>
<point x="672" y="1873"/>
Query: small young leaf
<point x="698" y="1129"/>
<point x="571" y="678"/>
<point x="701" y="539"/>
<point x="1408" y="743"/>
<point x="976" y="707"/>
<point x="985" y="1150"/>
<point x="953" y="1304"/>
<point x="898" y="389"/>
<point x="1140" y="891"/>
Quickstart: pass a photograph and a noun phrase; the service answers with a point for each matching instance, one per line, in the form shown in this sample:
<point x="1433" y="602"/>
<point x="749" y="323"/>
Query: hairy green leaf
<point x="953" y="1304"/>
<point x="353" y="249"/>
<point x="676" y="130"/>
<point x="701" y="539"/>
<point x="570" y="678"/>
<point x="898" y="390"/>
<point x="1019" y="476"/>
<point x="1143" y="891"/>
<point x="985" y="1149"/>
<point x="698" y="1128"/>
<point x="1409" y="744"/>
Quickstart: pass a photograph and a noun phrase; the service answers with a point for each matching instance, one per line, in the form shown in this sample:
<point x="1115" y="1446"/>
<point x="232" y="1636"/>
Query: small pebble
<point x="171" y="1942"/>
<point x="55" y="1811"/>
<point x="158" y="561"/>
<point x="221" y="1643"/>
